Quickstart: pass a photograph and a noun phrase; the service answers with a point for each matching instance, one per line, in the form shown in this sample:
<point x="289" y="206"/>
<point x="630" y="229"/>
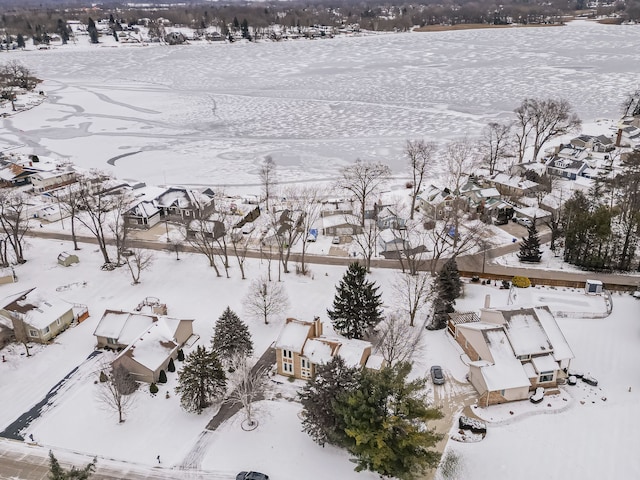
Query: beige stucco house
<point x="513" y="350"/>
<point x="153" y="348"/>
<point x="37" y="316"/>
<point x="301" y="346"/>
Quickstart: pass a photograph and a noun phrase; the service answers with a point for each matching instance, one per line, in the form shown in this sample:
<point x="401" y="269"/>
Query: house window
<point x="58" y="322"/>
<point x="112" y="341"/>
<point x="546" y="377"/>
<point x="524" y="357"/>
<point x="33" y="333"/>
<point x="46" y="330"/>
<point x="305" y="368"/>
<point x="287" y="361"/>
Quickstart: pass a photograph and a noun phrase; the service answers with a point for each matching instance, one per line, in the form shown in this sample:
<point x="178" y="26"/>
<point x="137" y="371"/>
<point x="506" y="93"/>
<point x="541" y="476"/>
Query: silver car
<point x="436" y="375"/>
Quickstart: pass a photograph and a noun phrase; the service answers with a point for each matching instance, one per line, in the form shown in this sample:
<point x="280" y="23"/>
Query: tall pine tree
<point x="386" y="419"/>
<point x="201" y="380"/>
<point x="231" y="338"/>
<point x="356" y="306"/>
<point x="530" y="246"/>
<point x="318" y="398"/>
<point x="448" y="287"/>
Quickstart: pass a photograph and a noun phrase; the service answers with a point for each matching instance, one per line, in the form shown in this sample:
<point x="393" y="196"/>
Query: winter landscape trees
<point x="231" y="339"/>
<point x="56" y="472"/>
<point x="380" y="417"/>
<point x="356" y="306"/>
<point x="201" y="380"/>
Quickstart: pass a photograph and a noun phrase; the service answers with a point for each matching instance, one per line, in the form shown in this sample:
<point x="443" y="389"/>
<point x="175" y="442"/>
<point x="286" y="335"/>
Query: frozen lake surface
<point x="208" y="114"/>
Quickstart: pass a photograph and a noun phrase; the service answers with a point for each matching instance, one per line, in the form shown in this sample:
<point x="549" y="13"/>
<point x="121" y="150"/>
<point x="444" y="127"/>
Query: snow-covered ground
<point x="207" y="114"/>
<point x="77" y="421"/>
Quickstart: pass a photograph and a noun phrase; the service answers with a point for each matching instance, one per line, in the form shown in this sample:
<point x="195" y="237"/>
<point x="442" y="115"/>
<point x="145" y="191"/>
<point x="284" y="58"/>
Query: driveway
<point x="451" y="398"/>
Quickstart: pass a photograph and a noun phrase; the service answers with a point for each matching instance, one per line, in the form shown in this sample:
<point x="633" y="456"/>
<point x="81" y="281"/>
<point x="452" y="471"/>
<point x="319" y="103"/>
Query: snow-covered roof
<point x="123" y="326"/>
<point x="374" y="362"/>
<point x="37" y="308"/>
<point x="318" y="351"/>
<point x="506" y="371"/>
<point x="341" y="219"/>
<point x="545" y="363"/>
<point x="352" y="351"/>
<point x="526" y="333"/>
<point x="387" y="236"/>
<point x="153" y="346"/>
<point x="561" y="348"/>
<point x="293" y="336"/>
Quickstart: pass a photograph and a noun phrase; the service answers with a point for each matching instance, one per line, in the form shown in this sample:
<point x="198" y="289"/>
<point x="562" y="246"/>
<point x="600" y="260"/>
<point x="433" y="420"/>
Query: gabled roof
<point x="123" y="326"/>
<point x="37" y="309"/>
<point x="294" y="335"/>
<point x="506" y="371"/>
<point x="152" y="347"/>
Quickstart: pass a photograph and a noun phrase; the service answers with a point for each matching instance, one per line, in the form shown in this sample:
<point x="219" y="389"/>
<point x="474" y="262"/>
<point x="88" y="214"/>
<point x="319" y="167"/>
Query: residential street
<point x="19" y="460"/>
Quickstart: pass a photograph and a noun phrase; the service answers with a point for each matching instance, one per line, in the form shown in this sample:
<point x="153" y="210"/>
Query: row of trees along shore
<point x="40" y="23"/>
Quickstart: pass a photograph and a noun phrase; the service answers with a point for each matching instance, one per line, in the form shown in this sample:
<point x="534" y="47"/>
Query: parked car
<point x="525" y="222"/>
<point x="436" y="375"/>
<point x="252" y="476"/>
<point x="336" y="240"/>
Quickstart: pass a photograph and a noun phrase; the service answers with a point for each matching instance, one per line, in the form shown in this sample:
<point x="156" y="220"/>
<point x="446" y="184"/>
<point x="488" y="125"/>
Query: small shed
<point x="593" y="287"/>
<point x="66" y="259"/>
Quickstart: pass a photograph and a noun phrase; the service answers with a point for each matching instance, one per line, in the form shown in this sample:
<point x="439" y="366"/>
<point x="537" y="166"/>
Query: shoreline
<point x="482" y="26"/>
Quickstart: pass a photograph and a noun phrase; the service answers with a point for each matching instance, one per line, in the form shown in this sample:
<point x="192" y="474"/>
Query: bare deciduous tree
<point x="247" y="385"/>
<point x="544" y="120"/>
<point x="69" y="201"/>
<point x="116" y="392"/>
<point x="495" y="142"/>
<point x="367" y="241"/>
<point x="420" y="154"/>
<point x="268" y="178"/>
<point x="412" y="293"/>
<point x="306" y="199"/>
<point x="96" y="200"/>
<point x="266" y="299"/>
<point x="398" y="340"/>
<point x="288" y="228"/>
<point x="461" y="159"/>
<point x="201" y="235"/>
<point x="361" y="180"/>
<point x="138" y="261"/>
<point x="14" y="221"/>
<point x="117" y="224"/>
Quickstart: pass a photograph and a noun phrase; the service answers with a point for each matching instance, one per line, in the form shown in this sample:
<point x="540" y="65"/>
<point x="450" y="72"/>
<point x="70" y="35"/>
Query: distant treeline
<point x="30" y="17"/>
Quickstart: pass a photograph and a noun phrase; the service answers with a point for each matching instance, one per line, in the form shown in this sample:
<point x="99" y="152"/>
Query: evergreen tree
<point x="171" y="366"/>
<point x="181" y="355"/>
<point x="245" y="29"/>
<point x="386" y="418"/>
<point x="92" y="30"/>
<point x="162" y="378"/>
<point x="56" y="472"/>
<point x="448" y="287"/>
<point x="20" y="41"/>
<point x="231" y="338"/>
<point x="530" y="246"/>
<point x="201" y="380"/>
<point x="356" y="306"/>
<point x="318" y="398"/>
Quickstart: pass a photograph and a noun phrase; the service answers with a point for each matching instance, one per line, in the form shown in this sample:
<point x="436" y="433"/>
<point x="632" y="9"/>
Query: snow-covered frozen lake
<point x="207" y="114"/>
